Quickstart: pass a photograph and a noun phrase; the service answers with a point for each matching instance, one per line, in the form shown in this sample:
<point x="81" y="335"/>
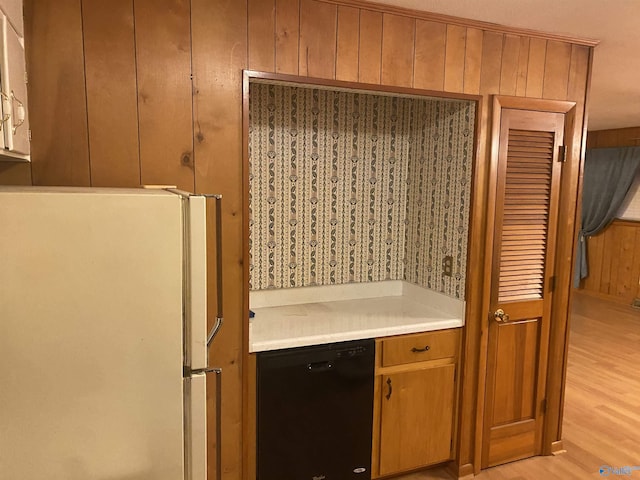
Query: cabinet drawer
<point x="420" y="347"/>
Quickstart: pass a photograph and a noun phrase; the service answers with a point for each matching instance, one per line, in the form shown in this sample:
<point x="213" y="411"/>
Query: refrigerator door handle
<point x="219" y="297"/>
<point x="214" y="331"/>
<point x="196" y="422"/>
<point x="196" y="295"/>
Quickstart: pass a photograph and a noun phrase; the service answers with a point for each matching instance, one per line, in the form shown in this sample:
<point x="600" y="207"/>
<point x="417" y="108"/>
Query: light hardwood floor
<point x="602" y="407"/>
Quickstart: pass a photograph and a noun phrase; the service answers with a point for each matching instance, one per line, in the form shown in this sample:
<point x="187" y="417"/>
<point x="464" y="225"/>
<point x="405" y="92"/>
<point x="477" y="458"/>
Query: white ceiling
<point x="615" y="84"/>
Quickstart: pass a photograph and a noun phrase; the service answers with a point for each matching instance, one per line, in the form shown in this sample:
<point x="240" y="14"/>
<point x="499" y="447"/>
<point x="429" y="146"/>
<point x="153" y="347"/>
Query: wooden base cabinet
<point x="414" y="415"/>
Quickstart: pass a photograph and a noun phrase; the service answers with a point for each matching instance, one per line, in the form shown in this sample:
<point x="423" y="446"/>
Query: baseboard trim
<point x="557" y="448"/>
<point x="465" y="471"/>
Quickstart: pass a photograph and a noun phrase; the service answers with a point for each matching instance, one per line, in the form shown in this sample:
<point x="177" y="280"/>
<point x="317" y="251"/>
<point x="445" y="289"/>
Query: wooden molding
<point x="463" y="22"/>
<point x="623" y="222"/>
<point x="523" y="103"/>
<point x="279" y="78"/>
<point x="472" y="336"/>
<point x="465" y="471"/>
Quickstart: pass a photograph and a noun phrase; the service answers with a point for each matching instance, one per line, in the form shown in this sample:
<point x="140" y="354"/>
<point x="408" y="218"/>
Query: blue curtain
<point x="608" y="175"/>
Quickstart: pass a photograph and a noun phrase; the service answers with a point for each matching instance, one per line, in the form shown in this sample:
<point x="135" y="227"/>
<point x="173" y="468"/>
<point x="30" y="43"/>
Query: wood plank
<point x="577" y="82"/>
<point x="219" y="55"/>
<point x="616" y="259"/>
<point x="455" y="59"/>
<point x="491" y="62"/>
<point x="609" y="138"/>
<point x="616" y="247"/>
<point x="317" y="56"/>
<point x="370" y="53"/>
<point x="523" y="67"/>
<point x="636" y="266"/>
<point x="348" y="44"/>
<point x="614" y="262"/>
<point x="58" y="109"/>
<point x="605" y="275"/>
<point x="626" y="284"/>
<point x="535" y="70"/>
<point x="110" y="66"/>
<point x="15" y="173"/>
<point x="287" y="36"/>
<point x="430" y="50"/>
<point x="261" y="40"/>
<point x="556" y="70"/>
<point x="163" y="52"/>
<point x="398" y="41"/>
<point x="510" y="65"/>
<point x="473" y="61"/>
<point x="595" y="246"/>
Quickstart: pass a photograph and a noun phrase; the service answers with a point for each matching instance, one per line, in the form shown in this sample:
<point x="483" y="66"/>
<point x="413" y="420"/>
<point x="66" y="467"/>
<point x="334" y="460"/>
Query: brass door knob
<point x="500" y="316"/>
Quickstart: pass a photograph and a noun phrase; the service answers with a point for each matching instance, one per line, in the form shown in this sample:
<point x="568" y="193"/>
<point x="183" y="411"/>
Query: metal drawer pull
<point x="419" y="350"/>
<point x="388" y="395"/>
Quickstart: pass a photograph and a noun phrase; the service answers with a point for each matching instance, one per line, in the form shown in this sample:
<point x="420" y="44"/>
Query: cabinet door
<point x="16" y="129"/>
<point x="417" y="418"/>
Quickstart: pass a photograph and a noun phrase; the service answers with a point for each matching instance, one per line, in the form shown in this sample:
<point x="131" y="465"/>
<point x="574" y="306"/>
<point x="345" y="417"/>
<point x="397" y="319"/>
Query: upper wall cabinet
<point x="15" y="126"/>
<point x="13" y="10"/>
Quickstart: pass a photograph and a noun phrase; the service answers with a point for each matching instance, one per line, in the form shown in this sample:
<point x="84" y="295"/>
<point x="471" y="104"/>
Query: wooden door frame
<point x="475" y="224"/>
<point x="567" y="214"/>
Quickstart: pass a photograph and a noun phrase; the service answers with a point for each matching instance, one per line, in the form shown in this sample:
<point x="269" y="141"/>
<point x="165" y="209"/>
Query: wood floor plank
<point x="602" y="400"/>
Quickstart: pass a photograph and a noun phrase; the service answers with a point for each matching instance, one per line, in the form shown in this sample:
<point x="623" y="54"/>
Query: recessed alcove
<point x="350" y="186"/>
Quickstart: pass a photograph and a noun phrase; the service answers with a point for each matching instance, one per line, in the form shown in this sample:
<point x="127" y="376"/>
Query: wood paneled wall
<point x="614" y="262"/>
<point x="15" y="173"/>
<point x="142" y="91"/>
<point x="614" y="254"/>
<point x="616" y="137"/>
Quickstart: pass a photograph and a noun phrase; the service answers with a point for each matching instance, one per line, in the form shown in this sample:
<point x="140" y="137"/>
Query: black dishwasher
<point x="315" y="412"/>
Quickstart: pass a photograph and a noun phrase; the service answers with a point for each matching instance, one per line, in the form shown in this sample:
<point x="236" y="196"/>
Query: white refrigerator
<point x="103" y="334"/>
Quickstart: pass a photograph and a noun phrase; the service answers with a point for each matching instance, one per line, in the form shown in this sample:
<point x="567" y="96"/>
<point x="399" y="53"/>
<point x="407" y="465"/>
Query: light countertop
<point x="305" y="316"/>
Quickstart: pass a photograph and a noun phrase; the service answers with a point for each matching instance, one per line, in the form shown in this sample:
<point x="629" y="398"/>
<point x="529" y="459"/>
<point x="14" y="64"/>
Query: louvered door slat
<point x="525" y="214"/>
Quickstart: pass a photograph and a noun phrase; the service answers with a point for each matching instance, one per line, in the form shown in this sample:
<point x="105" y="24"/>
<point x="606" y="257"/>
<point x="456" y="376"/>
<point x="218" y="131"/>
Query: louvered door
<point x="527" y="193"/>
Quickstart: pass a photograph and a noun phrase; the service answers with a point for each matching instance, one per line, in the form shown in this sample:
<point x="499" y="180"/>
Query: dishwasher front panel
<point x="315" y="412"/>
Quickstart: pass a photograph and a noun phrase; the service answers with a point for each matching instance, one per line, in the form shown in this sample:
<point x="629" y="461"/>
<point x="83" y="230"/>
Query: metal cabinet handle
<point x="20" y="113"/>
<point x="419" y="350"/>
<point x="390" y="389"/>
<point x="500" y="316"/>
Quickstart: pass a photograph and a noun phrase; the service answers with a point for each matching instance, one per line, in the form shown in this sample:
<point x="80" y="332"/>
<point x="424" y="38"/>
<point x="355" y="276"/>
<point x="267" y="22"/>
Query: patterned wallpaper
<point x="338" y="182"/>
<point x="438" y="196"/>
